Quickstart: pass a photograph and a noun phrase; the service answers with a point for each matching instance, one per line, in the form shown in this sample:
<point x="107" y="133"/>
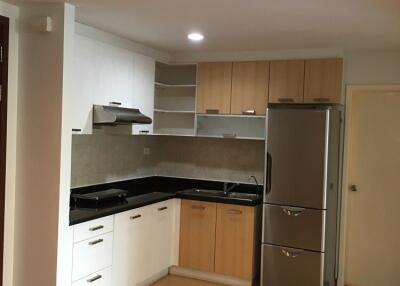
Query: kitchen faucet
<point x="228" y="188"/>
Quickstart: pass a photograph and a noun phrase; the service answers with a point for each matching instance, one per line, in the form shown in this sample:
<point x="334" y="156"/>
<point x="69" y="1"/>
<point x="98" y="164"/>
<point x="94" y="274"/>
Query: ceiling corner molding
<point x="188" y="57"/>
<point x="117" y="41"/>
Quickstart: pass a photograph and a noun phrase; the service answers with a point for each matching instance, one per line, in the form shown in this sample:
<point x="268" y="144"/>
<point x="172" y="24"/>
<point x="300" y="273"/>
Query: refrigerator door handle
<point x="269" y="172"/>
<point x="292" y="211"/>
<point x="291" y="253"/>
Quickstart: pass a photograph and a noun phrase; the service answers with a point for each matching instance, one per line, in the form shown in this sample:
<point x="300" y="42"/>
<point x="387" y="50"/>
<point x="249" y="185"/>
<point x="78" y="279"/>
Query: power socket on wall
<point x="146" y="151"/>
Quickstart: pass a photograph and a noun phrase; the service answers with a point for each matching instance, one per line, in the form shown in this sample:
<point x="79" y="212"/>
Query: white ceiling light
<point x="195" y="37"/>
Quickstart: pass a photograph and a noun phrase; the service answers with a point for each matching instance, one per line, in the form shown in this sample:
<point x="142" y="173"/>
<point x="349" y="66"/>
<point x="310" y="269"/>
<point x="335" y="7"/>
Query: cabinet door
<point x="250" y="87"/>
<point x="234" y="241"/>
<point x="197" y="238"/>
<point x="323" y="81"/>
<point x="132" y="246"/>
<point x="286" y="81"/>
<point x="214" y="85"/>
<point x="162" y="217"/>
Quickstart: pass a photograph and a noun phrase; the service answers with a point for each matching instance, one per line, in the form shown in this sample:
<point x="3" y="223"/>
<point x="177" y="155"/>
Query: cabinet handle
<point x="96" y="228"/>
<point x="96" y="241"/>
<point x="198" y="207"/>
<point x="212" y="111"/>
<point x="282" y="99"/>
<point x="76" y="130"/>
<point x="249" y="112"/>
<point x="91" y="280"/>
<point x="136" y="216"/>
<point x="115" y="103"/>
<point x="144" y="132"/>
<point x="162" y="209"/>
<point x="322" y="99"/>
<point x="232" y="211"/>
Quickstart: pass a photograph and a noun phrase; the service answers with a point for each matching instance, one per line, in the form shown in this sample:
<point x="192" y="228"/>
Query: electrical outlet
<point x="146" y="151"/>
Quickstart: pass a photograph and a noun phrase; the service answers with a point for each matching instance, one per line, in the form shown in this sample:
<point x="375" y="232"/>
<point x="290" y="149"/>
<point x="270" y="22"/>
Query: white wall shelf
<point x="164" y="85"/>
<point x="174" y="111"/>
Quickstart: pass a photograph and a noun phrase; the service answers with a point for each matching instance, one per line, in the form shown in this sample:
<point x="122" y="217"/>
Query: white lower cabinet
<point x="142" y="243"/>
<point x="100" y="278"/>
<point x="91" y="255"/>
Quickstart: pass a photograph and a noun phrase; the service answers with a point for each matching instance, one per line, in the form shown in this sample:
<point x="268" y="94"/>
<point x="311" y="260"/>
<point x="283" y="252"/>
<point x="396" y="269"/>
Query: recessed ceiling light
<point x="195" y="37"/>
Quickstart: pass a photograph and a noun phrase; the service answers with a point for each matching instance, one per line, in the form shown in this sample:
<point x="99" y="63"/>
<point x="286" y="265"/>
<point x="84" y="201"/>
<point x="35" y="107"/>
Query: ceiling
<point x="248" y="25"/>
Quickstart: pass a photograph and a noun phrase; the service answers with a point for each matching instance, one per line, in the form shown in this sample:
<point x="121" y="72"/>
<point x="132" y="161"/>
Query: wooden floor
<point x="172" y="280"/>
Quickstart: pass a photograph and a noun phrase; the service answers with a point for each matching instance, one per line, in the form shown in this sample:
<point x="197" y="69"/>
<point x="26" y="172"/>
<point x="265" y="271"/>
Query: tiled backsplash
<point x="103" y="158"/>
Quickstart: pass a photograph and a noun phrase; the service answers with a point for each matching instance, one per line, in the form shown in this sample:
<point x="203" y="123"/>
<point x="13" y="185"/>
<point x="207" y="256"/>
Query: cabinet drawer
<point x="291" y="267"/>
<point x="92" y="255"/>
<point x="101" y="278"/>
<point x="294" y="227"/>
<point x="93" y="228"/>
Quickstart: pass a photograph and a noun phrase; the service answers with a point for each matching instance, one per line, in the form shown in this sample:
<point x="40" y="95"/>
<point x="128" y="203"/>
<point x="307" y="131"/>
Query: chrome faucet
<point x="229" y="187"/>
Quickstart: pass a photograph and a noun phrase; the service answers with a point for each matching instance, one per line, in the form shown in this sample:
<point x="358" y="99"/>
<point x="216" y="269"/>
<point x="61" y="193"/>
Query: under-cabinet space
<point x="241" y="127"/>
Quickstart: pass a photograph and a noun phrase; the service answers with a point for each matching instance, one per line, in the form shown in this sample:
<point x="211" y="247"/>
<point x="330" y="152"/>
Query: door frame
<point x="350" y="90"/>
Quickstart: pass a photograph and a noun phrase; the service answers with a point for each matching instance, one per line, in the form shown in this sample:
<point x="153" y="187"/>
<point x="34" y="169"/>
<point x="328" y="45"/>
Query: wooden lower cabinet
<point x="234" y="246"/>
<point x="197" y="236"/>
<point x="217" y="238"/>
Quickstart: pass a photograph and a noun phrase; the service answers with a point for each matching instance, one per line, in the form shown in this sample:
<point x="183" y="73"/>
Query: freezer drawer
<point x="291" y="267"/>
<point x="294" y="227"/>
<point x="297" y="146"/>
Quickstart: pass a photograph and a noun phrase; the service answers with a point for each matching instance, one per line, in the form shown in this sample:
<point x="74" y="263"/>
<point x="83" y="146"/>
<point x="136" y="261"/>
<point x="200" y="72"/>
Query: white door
<point x="373" y="210"/>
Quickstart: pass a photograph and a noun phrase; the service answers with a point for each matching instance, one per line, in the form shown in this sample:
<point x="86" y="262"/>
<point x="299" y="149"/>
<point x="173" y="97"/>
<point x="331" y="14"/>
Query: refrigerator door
<point x="297" y="143"/>
<point x="294" y="227"/>
<point x="291" y="267"/>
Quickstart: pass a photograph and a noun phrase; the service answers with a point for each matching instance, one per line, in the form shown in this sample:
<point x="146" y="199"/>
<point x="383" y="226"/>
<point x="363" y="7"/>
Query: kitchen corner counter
<point x="150" y="190"/>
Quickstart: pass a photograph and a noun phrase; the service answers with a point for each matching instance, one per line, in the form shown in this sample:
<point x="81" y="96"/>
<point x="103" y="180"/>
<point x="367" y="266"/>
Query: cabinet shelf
<point x="165" y="85"/>
<point x="160" y="110"/>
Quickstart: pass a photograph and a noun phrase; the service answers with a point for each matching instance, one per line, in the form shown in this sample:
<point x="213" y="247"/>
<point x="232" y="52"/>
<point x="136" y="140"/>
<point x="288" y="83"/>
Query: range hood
<point x="114" y="115"/>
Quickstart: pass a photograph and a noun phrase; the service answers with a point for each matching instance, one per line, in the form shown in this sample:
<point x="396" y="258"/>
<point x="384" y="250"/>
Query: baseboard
<point x="209" y="276"/>
<point x="154" y="278"/>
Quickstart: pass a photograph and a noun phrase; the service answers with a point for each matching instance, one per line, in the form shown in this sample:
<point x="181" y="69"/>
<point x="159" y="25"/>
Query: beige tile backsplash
<point x="104" y="158"/>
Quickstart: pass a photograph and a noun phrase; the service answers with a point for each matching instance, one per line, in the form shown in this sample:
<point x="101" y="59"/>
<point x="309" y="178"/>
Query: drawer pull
<point x="322" y="99"/>
<point x="136" y="216"/>
<point x="144" y="132"/>
<point x="212" y="111"/>
<point x="76" y="130"/>
<point x="291" y="254"/>
<point x="198" y="207"/>
<point x="285" y="99"/>
<point x="162" y="209"/>
<point x="115" y="103"/>
<point x="249" y="112"/>
<point x="232" y="211"/>
<point x="96" y="241"/>
<point x="96" y="228"/>
<point x="292" y="211"/>
<point x="91" y="280"/>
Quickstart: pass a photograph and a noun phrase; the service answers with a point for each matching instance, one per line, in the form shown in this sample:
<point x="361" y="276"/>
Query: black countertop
<point x="150" y="190"/>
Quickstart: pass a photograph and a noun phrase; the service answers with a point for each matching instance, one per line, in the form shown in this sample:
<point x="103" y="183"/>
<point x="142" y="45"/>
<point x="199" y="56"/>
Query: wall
<point x="41" y="193"/>
<point x="104" y="158"/>
<point x="12" y="12"/>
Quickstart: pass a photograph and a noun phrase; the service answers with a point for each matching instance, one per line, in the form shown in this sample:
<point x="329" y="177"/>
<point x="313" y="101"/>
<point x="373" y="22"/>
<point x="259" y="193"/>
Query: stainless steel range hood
<point x="113" y="115"/>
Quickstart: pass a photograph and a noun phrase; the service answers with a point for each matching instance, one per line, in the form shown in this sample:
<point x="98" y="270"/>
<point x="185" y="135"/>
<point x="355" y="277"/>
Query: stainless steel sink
<point x="220" y="194"/>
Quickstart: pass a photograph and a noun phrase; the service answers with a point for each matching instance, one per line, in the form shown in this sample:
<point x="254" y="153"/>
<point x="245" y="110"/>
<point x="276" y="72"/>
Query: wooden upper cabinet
<point x="235" y="241"/>
<point x="214" y="86"/>
<point x="250" y="87"/>
<point x="197" y="236"/>
<point x="323" y="81"/>
<point x="286" y="83"/>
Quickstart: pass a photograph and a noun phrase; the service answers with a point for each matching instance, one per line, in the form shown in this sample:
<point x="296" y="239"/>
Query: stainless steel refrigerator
<point x="301" y="196"/>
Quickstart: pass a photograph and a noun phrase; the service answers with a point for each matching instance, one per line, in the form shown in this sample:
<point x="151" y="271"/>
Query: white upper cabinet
<point x="106" y="74"/>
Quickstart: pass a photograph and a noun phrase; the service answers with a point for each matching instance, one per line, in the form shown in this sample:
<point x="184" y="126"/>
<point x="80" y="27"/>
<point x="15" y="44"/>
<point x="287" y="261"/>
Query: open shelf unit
<point x="174" y="99"/>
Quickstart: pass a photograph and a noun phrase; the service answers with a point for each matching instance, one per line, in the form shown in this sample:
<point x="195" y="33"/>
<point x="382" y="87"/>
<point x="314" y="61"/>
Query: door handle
<point x="233" y="211"/>
<point x="136" y="216"/>
<point x="96" y="241"/>
<point x="212" y="111"/>
<point x="249" y="112"/>
<point x="291" y="253"/>
<point x="353" y="188"/>
<point x="291" y="211"/>
<point x="91" y="280"/>
<point x="96" y="228"/>
<point x="269" y="172"/>
<point x="162" y="209"/>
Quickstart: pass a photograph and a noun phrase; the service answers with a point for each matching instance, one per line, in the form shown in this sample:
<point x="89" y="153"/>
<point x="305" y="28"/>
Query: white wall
<point x="42" y="147"/>
<point x="11" y="12"/>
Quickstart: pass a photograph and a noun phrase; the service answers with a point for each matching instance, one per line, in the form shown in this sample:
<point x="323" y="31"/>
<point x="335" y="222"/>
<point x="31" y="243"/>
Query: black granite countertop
<point x="150" y="190"/>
